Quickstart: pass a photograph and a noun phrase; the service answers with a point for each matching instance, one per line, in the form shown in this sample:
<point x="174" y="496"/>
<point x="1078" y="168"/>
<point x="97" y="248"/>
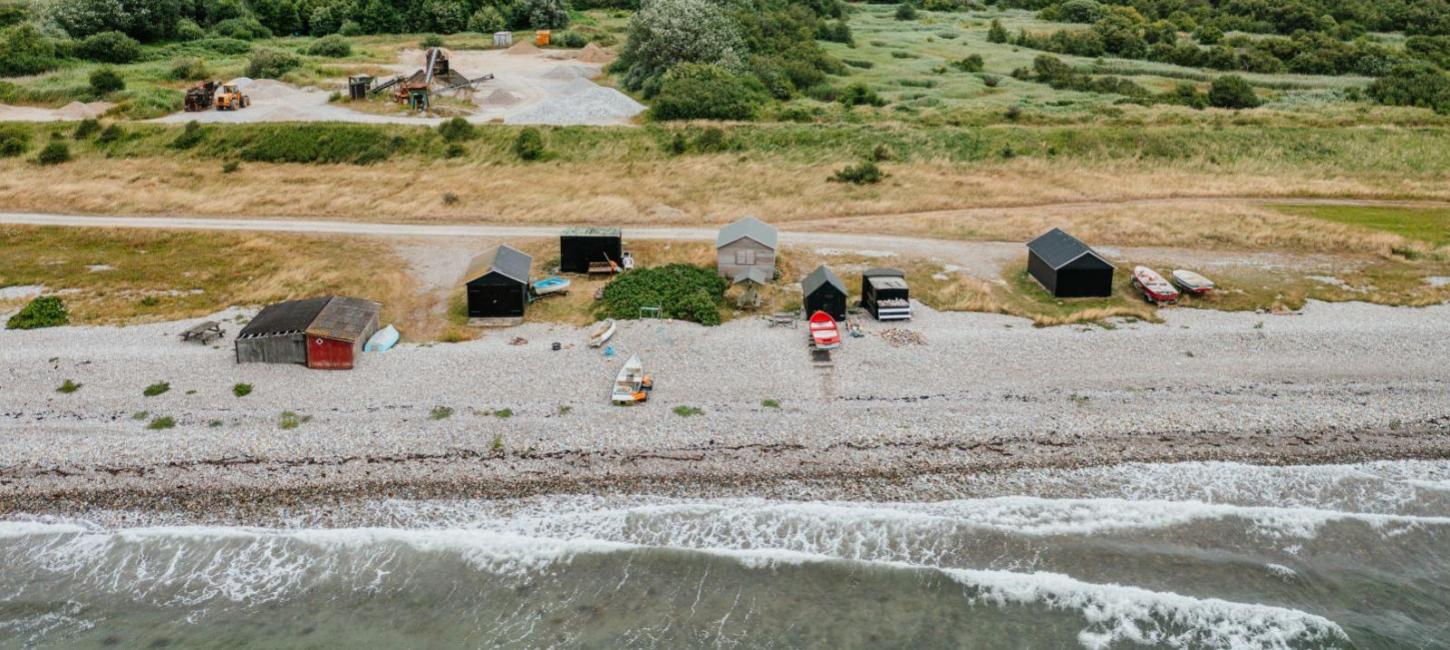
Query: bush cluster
<point x="109" y="47"/>
<point x="43" y="311"/>
<point x="25" y="50"/>
<point x="268" y="63"/>
<point x="188" y="68"/>
<point x="332" y="45"/>
<point x="106" y="80"/>
<point x="529" y="145"/>
<point x="867" y="172"/>
<point x="707" y="91"/>
<point x="681" y="291"/>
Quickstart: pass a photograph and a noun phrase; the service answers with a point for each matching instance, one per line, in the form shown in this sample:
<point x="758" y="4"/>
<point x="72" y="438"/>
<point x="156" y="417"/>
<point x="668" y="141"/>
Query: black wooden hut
<point x="580" y="247"/>
<point x="823" y="291"/>
<point x="1068" y="268"/>
<point x="885" y="294"/>
<point x="279" y="332"/>
<point x="500" y="284"/>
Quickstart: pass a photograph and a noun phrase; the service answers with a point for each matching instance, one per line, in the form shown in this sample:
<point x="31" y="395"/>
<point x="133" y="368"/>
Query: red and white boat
<point x="1191" y="282"/>
<point x="825" y="335"/>
<point x="1153" y="286"/>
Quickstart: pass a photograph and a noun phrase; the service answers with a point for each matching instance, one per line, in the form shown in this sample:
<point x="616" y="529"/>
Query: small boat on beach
<point x="825" y="335"/>
<point x="551" y="284"/>
<point x="601" y="333"/>
<point x="1153" y="286"/>
<point x="1191" y="282"/>
<point x="630" y="385"/>
<point x="382" y="340"/>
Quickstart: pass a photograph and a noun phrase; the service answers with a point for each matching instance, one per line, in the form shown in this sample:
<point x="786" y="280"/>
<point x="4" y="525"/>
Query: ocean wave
<point x="191" y="568"/>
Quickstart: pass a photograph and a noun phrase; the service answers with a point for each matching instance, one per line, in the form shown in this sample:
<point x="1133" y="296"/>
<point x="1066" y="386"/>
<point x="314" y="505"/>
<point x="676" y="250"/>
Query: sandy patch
<point x="22" y="292"/>
<point x="71" y="112"/>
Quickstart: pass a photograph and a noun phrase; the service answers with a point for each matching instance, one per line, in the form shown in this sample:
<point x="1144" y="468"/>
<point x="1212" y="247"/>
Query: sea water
<point x="1195" y="555"/>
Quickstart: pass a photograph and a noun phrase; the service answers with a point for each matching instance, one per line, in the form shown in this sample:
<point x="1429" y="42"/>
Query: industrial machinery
<point x="230" y="98"/>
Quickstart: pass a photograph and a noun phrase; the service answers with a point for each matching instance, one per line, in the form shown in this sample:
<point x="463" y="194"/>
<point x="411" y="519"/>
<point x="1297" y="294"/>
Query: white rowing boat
<point x="601" y="333"/>
<point x="629" y="383"/>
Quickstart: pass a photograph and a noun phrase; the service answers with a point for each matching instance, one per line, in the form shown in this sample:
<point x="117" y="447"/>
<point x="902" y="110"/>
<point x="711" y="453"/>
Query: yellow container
<point x="541" y="37"/>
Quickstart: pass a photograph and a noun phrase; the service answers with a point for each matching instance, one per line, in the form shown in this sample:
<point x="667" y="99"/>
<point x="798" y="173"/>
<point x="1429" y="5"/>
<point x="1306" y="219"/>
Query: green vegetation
<point x="770" y="404"/>
<point x="242" y="390"/>
<point x="680" y="291"/>
<point x="109" y="47"/>
<point x="504" y="413"/>
<point x="332" y="46"/>
<point x="865" y="172"/>
<point x="271" y="64"/>
<point x="688" y="411"/>
<point x="67" y="387"/>
<point x="156" y="389"/>
<point x="440" y="413"/>
<point x="290" y="420"/>
<point x="140" y="415"/>
<point x="691" y="91"/>
<point x="529" y="145"/>
<point x="43" y="311"/>
<point x="456" y="130"/>
<point x="54" y="153"/>
<point x="163" y="422"/>
<point x="1428" y="225"/>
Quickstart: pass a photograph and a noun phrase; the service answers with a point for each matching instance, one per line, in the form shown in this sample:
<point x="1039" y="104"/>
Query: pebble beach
<point x="947" y="393"/>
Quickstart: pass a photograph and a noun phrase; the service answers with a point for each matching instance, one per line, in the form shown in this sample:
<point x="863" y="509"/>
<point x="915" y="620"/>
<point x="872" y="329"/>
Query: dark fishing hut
<point x="823" y="291"/>
<point x="500" y="284"/>
<point x="885" y="294"/>
<point x="1068" y="268"/>
<point x="580" y="247"/>
<point x="339" y="331"/>
<point x="279" y="332"/>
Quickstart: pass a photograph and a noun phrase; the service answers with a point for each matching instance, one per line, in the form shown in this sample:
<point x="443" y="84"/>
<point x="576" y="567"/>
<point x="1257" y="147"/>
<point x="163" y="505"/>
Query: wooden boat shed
<point x="580" y="247"/>
<point x="745" y="250"/>
<point x="325" y="332"/>
<point x="1068" y="268"/>
<point x="885" y="294"/>
<point x="823" y="291"/>
<point x="500" y="284"/>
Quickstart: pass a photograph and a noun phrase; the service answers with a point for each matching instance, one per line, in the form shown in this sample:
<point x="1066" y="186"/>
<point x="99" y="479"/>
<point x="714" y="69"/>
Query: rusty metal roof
<point x="344" y="318"/>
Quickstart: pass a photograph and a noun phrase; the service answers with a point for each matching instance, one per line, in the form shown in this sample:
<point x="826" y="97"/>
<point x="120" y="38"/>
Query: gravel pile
<point x="597" y="105"/>
<point x="991" y="391"/>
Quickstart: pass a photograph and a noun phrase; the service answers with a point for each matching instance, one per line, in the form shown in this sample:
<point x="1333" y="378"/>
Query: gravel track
<point x="1338" y="382"/>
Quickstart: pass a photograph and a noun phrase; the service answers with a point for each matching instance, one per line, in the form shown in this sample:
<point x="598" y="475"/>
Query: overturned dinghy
<point x="601" y="333"/>
<point x="383" y="340"/>
<point x="1191" y="282"/>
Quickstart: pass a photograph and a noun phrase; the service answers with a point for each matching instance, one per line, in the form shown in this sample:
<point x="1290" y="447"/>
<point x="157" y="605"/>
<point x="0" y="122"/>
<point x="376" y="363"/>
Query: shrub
<point x="242" y="29"/>
<point x="570" y="39"/>
<point x="332" y="45"/>
<point x="25" y="50"/>
<point x="1231" y="91"/>
<point x="223" y="46"/>
<point x="857" y="94"/>
<point x="270" y="64"/>
<point x="68" y="387"/>
<point x="242" y="390"/>
<point x="905" y="11"/>
<point x="188" y="30"/>
<point x="87" y="128"/>
<point x="291" y="420"/>
<point x="991" y="80"/>
<point x="664" y="34"/>
<point x="681" y="291"/>
<point x="440" y="413"/>
<point x="163" y="422"/>
<point x="156" y="389"/>
<point x="1413" y="85"/>
<point x="453" y="150"/>
<point x="712" y="140"/>
<point x="231" y="167"/>
<point x="109" y="47"/>
<point x="504" y="413"/>
<point x="456" y="130"/>
<point x="529" y="145"/>
<point x="707" y="91"/>
<point x="973" y="63"/>
<point x="864" y="173"/>
<point x="547" y="14"/>
<point x="112" y="133"/>
<point x="431" y="40"/>
<point x="14" y="140"/>
<point x="106" y="80"/>
<point x="996" y="33"/>
<point x="487" y="20"/>
<point x="1080" y="11"/>
<point x="188" y="68"/>
<point x="54" y="153"/>
<point x="351" y="28"/>
<point x="191" y="135"/>
<point x="43" y="311"/>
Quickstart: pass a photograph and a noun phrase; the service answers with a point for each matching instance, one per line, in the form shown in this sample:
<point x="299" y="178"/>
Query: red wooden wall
<point x="329" y="354"/>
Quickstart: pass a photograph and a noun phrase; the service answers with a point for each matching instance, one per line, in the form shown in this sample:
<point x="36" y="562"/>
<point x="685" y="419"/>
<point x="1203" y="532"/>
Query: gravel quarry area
<point x="947" y="392"/>
<point x="530" y="86"/>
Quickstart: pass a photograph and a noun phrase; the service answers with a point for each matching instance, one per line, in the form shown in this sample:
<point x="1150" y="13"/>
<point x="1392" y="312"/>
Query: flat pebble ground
<point x="961" y="393"/>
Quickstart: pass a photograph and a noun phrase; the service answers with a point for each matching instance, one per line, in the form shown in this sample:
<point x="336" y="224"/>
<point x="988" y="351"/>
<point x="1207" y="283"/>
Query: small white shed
<point x="746" y="249"/>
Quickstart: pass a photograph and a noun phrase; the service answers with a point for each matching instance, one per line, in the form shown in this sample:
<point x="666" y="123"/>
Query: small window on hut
<point x="745" y="256"/>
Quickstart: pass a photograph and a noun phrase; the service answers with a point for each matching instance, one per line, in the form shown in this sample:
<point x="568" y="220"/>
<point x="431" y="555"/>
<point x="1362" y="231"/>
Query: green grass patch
<point x="1430" y="225"/>
<point x="688" y="411"/>
<point x="504" y="413"/>
<point x="163" y="422"/>
<point x="440" y="413"/>
<point x="242" y="390"/>
<point x="43" y="311"/>
<point x="291" y="420"/>
<point x="770" y="404"/>
<point x="156" y="389"/>
<point x="67" y="387"/>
